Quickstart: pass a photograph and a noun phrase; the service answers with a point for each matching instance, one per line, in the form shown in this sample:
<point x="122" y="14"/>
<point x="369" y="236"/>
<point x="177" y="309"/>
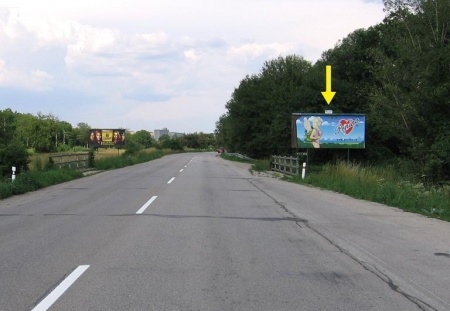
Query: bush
<point x="13" y="154"/>
<point x="127" y="159"/>
<point x="261" y="166"/>
<point x="34" y="180"/>
<point x="133" y="148"/>
<point x="91" y="158"/>
<point x="383" y="185"/>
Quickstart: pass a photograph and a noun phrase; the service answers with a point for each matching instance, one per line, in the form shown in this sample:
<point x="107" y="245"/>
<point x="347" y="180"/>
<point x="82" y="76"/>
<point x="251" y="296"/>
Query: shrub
<point x="382" y="185"/>
<point x="13" y="154"/>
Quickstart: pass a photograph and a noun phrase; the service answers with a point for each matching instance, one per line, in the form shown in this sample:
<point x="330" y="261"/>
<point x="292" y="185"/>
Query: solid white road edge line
<point x="170" y="181"/>
<point x="144" y="207"/>
<point x="60" y="289"/>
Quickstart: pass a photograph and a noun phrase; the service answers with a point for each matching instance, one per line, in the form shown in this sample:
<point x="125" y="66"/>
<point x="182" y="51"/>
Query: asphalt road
<point x="196" y="232"/>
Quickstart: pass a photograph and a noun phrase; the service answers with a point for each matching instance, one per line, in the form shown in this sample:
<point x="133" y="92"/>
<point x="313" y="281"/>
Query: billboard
<point x="106" y="138"/>
<point x="314" y="130"/>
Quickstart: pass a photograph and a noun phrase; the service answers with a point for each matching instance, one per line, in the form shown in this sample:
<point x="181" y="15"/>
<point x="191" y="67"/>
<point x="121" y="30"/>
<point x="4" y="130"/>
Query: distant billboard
<point x="314" y="130"/>
<point x="106" y="138"/>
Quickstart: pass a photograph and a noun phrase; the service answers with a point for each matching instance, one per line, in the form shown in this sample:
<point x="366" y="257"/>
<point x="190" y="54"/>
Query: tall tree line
<point x="43" y="133"/>
<point x="397" y="73"/>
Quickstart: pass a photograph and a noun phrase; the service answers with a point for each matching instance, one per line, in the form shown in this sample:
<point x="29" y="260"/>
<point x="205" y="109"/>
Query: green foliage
<point x="132" y="148"/>
<point x="144" y="138"/>
<point x="80" y="134"/>
<point x="259" y="111"/>
<point x="396" y="73"/>
<point x="173" y="143"/>
<point x="91" y="158"/>
<point x="13" y="154"/>
<point x="383" y="185"/>
<point x="34" y="180"/>
<point x="127" y="160"/>
<point x="261" y="165"/>
<point x="63" y="148"/>
<point x="198" y="140"/>
<point x="50" y="164"/>
<point x="7" y="126"/>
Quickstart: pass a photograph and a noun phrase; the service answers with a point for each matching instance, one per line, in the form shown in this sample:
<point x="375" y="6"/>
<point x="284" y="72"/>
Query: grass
<point x="107" y="163"/>
<point x="382" y="185"/>
<point x="34" y="180"/>
<point x="257" y="165"/>
<point x="39" y="161"/>
<point x="39" y="176"/>
<point x="377" y="184"/>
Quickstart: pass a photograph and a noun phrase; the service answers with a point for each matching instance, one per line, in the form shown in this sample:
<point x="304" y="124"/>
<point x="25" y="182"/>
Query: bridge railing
<point x="70" y="160"/>
<point x="286" y="165"/>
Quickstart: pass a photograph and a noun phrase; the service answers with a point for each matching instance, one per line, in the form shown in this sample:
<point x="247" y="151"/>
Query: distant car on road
<point x="220" y="150"/>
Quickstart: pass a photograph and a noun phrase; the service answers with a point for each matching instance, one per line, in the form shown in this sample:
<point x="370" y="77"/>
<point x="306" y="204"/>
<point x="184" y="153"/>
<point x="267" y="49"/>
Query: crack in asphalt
<point x="422" y="305"/>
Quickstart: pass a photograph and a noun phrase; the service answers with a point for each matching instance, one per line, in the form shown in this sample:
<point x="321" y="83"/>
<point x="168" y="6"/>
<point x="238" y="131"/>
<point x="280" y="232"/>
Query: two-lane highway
<point x="185" y="232"/>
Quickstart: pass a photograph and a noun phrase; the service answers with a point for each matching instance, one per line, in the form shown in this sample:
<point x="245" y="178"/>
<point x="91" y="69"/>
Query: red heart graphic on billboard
<point x="347" y="126"/>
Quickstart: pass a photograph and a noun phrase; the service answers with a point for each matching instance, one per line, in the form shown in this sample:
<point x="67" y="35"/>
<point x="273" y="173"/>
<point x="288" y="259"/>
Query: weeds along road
<point x="196" y="232"/>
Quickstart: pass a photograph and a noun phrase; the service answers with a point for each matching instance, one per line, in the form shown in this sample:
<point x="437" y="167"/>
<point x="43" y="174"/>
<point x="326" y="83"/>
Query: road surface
<point x="196" y="232"/>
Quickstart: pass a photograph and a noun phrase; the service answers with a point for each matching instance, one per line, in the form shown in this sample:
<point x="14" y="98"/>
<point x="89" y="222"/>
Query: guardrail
<point x="69" y="160"/>
<point x="238" y="155"/>
<point x="286" y="165"/>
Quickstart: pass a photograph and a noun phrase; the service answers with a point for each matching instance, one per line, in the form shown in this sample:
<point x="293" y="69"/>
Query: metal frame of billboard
<point x="328" y="131"/>
<point x="106" y="138"/>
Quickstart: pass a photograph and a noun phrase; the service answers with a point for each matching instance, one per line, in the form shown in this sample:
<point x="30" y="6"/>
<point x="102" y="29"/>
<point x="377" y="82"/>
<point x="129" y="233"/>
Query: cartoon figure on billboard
<point x="313" y="133"/>
<point x="325" y="131"/>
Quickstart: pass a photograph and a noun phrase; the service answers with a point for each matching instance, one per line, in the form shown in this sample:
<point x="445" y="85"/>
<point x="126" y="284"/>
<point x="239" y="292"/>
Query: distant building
<point x="165" y="131"/>
<point x="159" y="133"/>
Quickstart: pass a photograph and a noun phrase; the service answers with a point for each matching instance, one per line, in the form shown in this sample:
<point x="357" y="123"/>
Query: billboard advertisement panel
<point x="106" y="138"/>
<point x="314" y="130"/>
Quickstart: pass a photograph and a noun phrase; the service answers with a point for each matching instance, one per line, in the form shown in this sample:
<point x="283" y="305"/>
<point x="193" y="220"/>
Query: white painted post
<point x="304" y="170"/>
<point x="13" y="177"/>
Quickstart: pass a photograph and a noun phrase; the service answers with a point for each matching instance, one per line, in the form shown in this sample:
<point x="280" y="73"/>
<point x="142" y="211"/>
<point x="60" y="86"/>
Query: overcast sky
<point x="149" y="64"/>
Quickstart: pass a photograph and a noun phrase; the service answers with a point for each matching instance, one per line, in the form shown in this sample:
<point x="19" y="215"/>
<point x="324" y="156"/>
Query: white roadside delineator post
<point x="304" y="170"/>
<point x="13" y="173"/>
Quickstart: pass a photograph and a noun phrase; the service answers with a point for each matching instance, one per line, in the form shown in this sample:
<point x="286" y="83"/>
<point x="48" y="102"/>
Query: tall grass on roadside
<point x="261" y="166"/>
<point x="257" y="165"/>
<point x="125" y="160"/>
<point x="382" y="185"/>
<point x="34" y="180"/>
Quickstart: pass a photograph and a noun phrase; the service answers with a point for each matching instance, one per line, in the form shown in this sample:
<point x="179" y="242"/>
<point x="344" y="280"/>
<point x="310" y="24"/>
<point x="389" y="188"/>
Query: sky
<point x="153" y="64"/>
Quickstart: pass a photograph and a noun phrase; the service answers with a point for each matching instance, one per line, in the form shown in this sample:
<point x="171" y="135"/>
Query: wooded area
<point x="397" y="73"/>
<point x="20" y="133"/>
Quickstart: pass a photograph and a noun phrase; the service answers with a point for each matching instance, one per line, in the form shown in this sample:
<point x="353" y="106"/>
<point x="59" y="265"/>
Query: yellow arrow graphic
<point x="328" y="94"/>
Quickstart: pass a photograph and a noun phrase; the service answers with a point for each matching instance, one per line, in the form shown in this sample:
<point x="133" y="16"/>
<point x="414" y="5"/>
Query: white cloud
<point x="162" y="60"/>
<point x="36" y="80"/>
<point x="250" y="51"/>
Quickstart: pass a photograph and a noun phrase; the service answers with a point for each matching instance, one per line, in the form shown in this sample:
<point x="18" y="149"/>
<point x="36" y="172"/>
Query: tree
<point x="81" y="134"/>
<point x="7" y="125"/>
<point x="144" y="138"/>
<point x="173" y="143"/>
<point x="198" y="140"/>
<point x="258" y="118"/>
<point x="413" y="99"/>
<point x="13" y="154"/>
